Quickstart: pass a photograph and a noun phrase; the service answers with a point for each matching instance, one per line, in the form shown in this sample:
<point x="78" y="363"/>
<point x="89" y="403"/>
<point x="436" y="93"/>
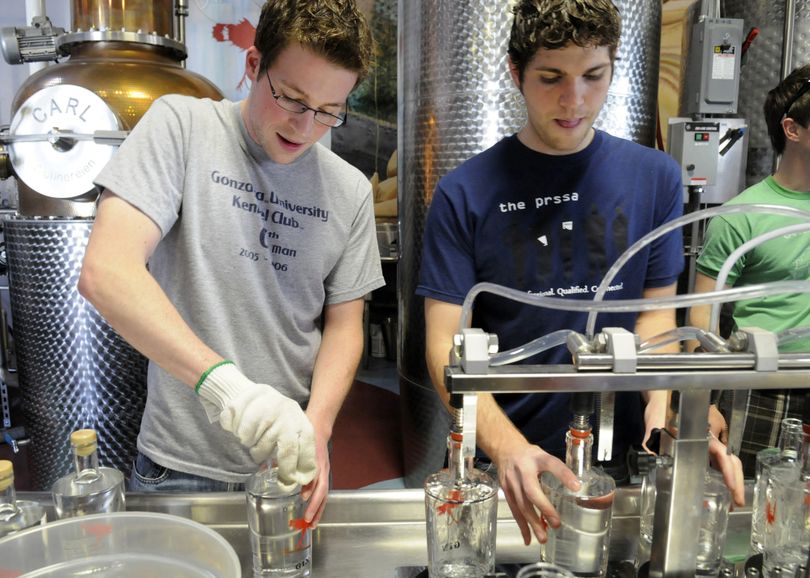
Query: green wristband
<point x="208" y="371"/>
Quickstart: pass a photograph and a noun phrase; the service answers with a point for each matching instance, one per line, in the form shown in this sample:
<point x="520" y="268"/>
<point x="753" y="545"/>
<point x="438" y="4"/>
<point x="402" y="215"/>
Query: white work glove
<point x="263" y="420"/>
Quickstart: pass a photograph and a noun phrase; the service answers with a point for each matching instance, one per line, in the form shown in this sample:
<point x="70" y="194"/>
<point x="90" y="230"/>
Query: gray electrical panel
<point x="711" y="77"/>
<point x="695" y="145"/>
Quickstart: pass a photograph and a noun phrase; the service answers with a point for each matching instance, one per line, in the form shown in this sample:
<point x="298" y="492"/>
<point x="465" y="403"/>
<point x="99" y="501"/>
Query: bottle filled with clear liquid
<point x="89" y="488"/>
<point x="15" y="514"/>
<point x="280" y="538"/>
<point x="461" y="507"/>
<point x="581" y="542"/>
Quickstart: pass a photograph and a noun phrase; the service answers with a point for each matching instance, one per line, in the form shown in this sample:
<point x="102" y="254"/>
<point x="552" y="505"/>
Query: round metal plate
<point x="63" y="169"/>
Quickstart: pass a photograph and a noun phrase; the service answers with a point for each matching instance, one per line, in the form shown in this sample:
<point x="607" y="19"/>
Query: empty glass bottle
<point x="581" y="542"/>
<point x="90" y="488"/>
<point x="713" y="524"/>
<point x="774" y="466"/>
<point x="15" y="514"/>
<point x="461" y="507"/>
<point x="280" y="538"/>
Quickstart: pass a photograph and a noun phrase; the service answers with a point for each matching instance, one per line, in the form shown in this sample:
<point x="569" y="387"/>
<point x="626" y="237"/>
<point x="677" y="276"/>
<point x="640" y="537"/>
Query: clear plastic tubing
<point x="533" y="347"/>
<point x="791" y="334"/>
<point x="672" y="336"/>
<point x="671" y="226"/>
<point x="714" y="319"/>
<point x="625" y="305"/>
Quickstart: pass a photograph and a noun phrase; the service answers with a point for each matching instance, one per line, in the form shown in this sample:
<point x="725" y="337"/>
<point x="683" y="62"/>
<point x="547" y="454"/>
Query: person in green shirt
<point x="787" y="115"/>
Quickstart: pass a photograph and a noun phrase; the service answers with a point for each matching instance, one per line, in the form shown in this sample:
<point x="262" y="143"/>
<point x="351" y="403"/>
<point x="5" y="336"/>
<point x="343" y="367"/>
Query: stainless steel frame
<point x="691" y="376"/>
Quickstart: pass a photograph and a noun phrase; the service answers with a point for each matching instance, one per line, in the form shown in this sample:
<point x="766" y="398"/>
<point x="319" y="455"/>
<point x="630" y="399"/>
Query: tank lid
<point x="61" y="167"/>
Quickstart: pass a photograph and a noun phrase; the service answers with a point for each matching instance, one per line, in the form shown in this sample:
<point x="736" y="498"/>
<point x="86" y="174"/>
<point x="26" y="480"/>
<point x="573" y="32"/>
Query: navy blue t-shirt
<point x="553" y="225"/>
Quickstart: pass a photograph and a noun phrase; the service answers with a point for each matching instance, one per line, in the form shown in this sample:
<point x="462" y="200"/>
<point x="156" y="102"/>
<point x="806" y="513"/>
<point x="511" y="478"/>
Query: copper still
<point x="67" y="119"/>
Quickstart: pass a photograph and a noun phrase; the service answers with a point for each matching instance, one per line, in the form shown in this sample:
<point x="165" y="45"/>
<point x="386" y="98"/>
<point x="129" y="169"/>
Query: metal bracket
<point x="4" y="404"/>
<point x="764" y="346"/>
<point x="470" y="405"/>
<point x="623" y="346"/>
<point x="472" y="349"/>
<point x="103" y="137"/>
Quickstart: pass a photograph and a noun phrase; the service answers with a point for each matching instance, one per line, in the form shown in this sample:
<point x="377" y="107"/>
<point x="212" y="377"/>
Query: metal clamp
<point x="472" y="348"/>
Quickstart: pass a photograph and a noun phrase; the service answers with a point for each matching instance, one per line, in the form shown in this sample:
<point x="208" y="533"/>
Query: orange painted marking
<point x="454" y="501"/>
<point x="97" y="530"/>
<point x="304" y="526"/>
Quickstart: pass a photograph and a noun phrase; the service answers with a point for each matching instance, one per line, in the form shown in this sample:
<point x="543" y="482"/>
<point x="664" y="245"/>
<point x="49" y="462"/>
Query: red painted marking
<point x="302" y="525"/>
<point x="770" y="512"/>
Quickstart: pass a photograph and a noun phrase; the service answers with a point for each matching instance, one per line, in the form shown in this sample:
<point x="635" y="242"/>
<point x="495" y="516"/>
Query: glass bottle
<point x="773" y="464"/>
<point x="15" y="514"/>
<point x="280" y="538"/>
<point x="713" y="519"/>
<point x="461" y="511"/>
<point x="89" y="488"/>
<point x="713" y="524"/>
<point x="582" y="540"/>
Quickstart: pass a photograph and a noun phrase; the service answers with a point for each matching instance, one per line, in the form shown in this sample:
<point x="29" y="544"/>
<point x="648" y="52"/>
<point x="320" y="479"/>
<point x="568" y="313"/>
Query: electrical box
<point x="695" y="145"/>
<point x="711" y="78"/>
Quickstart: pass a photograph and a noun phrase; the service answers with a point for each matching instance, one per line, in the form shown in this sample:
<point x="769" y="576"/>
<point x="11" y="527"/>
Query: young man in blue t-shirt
<point x="547" y="211"/>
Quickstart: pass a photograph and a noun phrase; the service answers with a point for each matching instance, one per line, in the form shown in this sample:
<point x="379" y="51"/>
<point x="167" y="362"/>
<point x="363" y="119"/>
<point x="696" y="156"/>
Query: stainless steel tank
<point x="75" y="371"/>
<point x="456" y="99"/>
<point x="762" y="67"/>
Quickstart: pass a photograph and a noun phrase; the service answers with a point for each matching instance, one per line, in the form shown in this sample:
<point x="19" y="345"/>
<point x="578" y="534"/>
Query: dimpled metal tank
<point x="74" y="370"/>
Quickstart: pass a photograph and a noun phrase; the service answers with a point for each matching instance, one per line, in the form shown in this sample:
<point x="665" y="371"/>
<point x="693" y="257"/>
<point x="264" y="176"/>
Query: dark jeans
<point x="147" y="476"/>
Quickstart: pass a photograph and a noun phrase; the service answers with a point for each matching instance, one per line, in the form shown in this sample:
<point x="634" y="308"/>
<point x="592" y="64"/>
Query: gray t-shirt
<point x="251" y="251"/>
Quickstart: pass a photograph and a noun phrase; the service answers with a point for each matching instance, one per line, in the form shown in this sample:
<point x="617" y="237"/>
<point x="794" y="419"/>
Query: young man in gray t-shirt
<point x="260" y="245"/>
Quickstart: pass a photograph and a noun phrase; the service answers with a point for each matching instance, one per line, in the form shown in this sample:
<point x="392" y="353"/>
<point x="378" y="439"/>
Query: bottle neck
<point x="458" y="465"/>
<point x="8" y="502"/>
<point x="578" y="445"/>
<point x="791" y="439"/>
<point x="86" y="466"/>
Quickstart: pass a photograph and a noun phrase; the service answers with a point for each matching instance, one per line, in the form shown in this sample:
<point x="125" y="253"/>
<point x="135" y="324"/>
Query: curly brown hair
<point x="791" y="97"/>
<point x="334" y="29"/>
<point x="553" y="24"/>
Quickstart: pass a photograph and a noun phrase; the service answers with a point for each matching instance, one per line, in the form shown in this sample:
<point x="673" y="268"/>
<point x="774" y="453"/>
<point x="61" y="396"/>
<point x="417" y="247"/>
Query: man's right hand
<point x="519" y="470"/>
<point x="263" y="420"/>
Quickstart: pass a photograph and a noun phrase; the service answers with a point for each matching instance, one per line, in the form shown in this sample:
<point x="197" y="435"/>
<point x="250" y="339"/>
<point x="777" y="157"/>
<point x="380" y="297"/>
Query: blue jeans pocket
<point x="147" y="473"/>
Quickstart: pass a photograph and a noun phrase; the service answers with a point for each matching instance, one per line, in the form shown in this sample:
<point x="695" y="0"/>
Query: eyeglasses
<point x="298" y="107"/>
<point x="798" y="95"/>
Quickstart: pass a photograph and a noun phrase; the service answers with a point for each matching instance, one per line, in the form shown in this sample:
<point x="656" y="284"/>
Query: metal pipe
<point x="180" y="13"/>
<point x="787" y="54"/>
<point x="566" y="378"/>
<point x="787" y="38"/>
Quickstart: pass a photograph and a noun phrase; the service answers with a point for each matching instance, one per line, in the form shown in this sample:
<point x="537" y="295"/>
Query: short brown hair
<point x="787" y="99"/>
<point x="334" y="29"/>
<point x="553" y="24"/>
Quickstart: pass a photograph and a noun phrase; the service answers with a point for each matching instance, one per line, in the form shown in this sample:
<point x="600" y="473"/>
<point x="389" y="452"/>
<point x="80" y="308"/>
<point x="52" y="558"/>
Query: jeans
<point x="147" y="476"/>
